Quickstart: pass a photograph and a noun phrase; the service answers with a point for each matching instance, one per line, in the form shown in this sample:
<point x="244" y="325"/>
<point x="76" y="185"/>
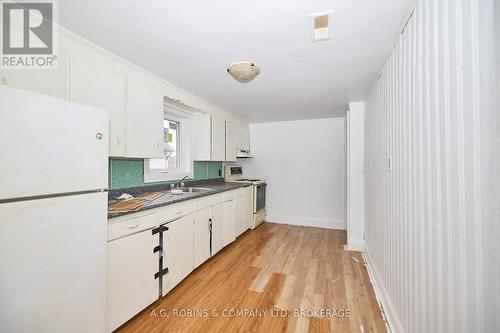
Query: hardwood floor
<point x="263" y="281"/>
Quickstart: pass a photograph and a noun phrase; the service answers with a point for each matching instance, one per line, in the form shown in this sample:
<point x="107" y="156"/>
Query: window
<point x="176" y="162"/>
<point x="171" y="147"/>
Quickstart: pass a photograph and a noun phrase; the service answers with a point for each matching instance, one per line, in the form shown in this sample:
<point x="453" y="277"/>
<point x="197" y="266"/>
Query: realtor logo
<point x="28" y="34"/>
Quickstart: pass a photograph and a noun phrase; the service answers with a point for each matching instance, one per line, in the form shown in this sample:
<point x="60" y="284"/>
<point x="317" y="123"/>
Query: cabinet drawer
<point x="200" y="204"/>
<point x="172" y="212"/>
<point x="130" y="224"/>
<point x="214" y="200"/>
<point x="231" y="195"/>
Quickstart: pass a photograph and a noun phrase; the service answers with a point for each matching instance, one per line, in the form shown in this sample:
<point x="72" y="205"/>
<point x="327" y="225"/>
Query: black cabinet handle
<point x="161" y="273"/>
<point x="210" y="230"/>
<point x="161" y="228"/>
<point x="157" y="249"/>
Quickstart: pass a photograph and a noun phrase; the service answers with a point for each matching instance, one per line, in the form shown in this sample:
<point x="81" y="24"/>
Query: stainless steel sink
<point x="195" y="189"/>
<point x="192" y="189"/>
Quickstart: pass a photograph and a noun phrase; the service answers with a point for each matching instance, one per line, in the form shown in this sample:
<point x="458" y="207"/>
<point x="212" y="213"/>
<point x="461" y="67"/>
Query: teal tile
<point x="214" y="170"/>
<point x="200" y="170"/>
<point x="125" y="173"/>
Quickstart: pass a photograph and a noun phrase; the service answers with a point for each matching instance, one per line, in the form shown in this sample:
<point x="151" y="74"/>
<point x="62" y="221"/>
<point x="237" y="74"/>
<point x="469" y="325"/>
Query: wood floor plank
<point x="272" y="279"/>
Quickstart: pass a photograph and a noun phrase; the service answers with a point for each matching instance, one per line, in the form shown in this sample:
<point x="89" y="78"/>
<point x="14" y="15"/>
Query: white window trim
<point x="186" y="163"/>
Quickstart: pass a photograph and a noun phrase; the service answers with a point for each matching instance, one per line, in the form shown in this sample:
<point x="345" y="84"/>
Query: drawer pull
<point x="178" y="213"/>
<point x="133" y="226"/>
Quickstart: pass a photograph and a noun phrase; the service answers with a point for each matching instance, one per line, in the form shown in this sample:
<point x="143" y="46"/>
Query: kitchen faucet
<point x="179" y="182"/>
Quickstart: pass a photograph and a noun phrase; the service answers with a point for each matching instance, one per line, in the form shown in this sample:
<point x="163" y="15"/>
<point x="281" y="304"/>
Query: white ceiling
<point x="190" y="43"/>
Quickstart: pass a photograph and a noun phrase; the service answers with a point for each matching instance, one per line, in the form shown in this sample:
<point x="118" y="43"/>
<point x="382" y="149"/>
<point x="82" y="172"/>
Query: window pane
<point x="171" y="145"/>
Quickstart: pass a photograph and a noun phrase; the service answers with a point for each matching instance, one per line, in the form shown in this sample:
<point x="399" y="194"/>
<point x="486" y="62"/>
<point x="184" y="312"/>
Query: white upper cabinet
<point x="218" y="139"/>
<point x="243" y="138"/>
<point x="50" y="82"/>
<point x="145" y="113"/>
<point x="208" y="138"/>
<point x="200" y="137"/>
<point x="95" y="86"/>
<point x="231" y="141"/>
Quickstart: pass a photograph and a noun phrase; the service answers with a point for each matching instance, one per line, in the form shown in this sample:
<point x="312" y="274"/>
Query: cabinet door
<point x="200" y="137"/>
<point x="217" y="228"/>
<point x="178" y="251"/>
<point x="240" y="221"/>
<point x="131" y="282"/>
<point x="245" y="138"/>
<point x="248" y="211"/>
<point x="231" y="141"/>
<point x="144" y="121"/>
<point x="201" y="236"/>
<point x="228" y="222"/>
<point x="218" y="139"/>
<point x="50" y="82"/>
<point x="98" y="87"/>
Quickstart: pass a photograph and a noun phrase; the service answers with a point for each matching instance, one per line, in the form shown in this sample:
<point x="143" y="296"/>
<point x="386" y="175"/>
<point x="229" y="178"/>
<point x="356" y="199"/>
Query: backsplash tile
<point x="124" y="173"/>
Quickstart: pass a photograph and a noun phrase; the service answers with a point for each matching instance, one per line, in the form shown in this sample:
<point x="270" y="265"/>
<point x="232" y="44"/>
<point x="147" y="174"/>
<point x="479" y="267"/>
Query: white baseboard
<point x="391" y="316"/>
<point x="306" y="221"/>
<point x="355" y="244"/>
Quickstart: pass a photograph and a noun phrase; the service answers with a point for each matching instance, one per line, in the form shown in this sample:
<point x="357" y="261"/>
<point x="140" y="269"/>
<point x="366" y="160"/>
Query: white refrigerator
<point x="53" y="214"/>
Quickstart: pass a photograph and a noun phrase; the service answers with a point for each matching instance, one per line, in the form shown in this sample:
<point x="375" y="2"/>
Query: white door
<point x="132" y="286"/>
<point x="217" y="228"/>
<point x="218" y="139"/>
<point x="178" y="251"/>
<point x="92" y="85"/>
<point x="231" y="141"/>
<point x="53" y="264"/>
<point x="228" y="222"/>
<point x="145" y="114"/>
<point x="61" y="148"/>
<point x="202" y="220"/>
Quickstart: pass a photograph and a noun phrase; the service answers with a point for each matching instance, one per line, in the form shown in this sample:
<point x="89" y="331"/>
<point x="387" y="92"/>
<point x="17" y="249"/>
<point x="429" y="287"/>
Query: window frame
<point x="184" y="159"/>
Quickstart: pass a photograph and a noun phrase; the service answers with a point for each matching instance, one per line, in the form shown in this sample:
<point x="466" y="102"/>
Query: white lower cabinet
<point x="135" y="242"/>
<point x="229" y="219"/>
<point x="217" y="228"/>
<point x="202" y="225"/>
<point x="178" y="251"/>
<point x="131" y="282"/>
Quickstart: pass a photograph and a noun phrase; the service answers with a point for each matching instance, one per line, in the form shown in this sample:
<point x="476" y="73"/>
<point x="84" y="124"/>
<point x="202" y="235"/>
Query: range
<point x="234" y="174"/>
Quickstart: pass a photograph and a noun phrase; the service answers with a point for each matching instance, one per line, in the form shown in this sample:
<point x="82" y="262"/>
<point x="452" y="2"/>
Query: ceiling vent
<point x="321" y="25"/>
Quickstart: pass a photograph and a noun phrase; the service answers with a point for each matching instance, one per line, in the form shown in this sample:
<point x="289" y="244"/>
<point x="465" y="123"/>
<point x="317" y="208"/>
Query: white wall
<point x="355" y="177"/>
<point x="303" y="165"/>
<point x="432" y="223"/>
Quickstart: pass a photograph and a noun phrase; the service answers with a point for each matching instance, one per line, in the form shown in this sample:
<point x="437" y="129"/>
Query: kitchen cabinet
<point x="95" y="86"/>
<point x="50" y="82"/>
<point x="231" y="141"/>
<point x="248" y="207"/>
<point x="208" y="136"/>
<point x="218" y="135"/>
<point x="131" y="283"/>
<point x="145" y="114"/>
<point x="229" y="219"/>
<point x="178" y="251"/>
<point x="239" y="216"/>
<point x="217" y="212"/>
<point x="244" y="210"/>
<point x="242" y="138"/>
<point x="202" y="221"/>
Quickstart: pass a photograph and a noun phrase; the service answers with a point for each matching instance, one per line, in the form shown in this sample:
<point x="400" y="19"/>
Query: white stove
<point x="234" y="174"/>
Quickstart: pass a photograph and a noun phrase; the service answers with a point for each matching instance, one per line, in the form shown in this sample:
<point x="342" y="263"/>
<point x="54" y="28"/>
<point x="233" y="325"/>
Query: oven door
<point x="260" y="197"/>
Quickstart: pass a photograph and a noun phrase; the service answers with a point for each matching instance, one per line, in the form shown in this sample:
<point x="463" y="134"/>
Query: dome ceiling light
<point x="243" y="70"/>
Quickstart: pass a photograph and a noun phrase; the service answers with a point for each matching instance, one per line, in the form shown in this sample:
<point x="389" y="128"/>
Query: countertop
<point x="216" y="187"/>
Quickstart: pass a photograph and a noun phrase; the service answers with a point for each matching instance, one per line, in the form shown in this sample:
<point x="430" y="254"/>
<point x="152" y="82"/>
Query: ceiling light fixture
<point x="243" y="70"/>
